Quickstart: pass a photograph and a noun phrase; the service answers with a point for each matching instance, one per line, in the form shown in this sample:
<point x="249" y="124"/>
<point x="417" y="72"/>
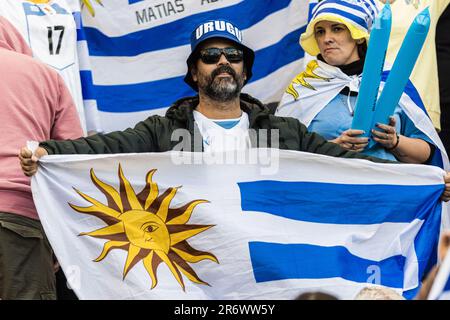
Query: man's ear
<point x="245" y="73"/>
<point x="194" y="73"/>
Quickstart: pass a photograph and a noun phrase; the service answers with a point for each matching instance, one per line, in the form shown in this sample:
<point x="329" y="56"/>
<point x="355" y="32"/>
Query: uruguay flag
<point x="138" y="51"/>
<point x="267" y="224"/>
<point x="91" y="113"/>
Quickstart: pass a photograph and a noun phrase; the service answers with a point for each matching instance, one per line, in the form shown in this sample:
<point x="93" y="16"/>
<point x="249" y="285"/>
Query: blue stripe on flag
<point x="87" y="85"/>
<point x="77" y="18"/>
<point x="447" y="285"/>
<point x="81" y="36"/>
<point x="162" y="93"/>
<point x="312" y="5"/>
<point x="340" y="203"/>
<point x="178" y="32"/>
<point x="272" y="58"/>
<point x="425" y="243"/>
<point x="141" y="96"/>
<point x="273" y="261"/>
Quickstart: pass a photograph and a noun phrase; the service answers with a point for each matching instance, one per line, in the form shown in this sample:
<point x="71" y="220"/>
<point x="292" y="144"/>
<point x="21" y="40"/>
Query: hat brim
<point x="249" y="58"/>
<point x="309" y="42"/>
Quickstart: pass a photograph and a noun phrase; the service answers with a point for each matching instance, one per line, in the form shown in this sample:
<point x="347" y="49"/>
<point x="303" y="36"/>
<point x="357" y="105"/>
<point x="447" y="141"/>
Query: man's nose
<point x="223" y="60"/>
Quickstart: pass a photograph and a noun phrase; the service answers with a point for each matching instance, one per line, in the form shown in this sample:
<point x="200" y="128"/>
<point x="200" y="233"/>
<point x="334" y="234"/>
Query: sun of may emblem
<point x="144" y="225"/>
<point x="300" y="79"/>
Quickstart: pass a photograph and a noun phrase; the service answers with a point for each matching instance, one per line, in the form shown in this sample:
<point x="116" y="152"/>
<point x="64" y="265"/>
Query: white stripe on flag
<point x="114" y="21"/>
<point x="170" y="63"/>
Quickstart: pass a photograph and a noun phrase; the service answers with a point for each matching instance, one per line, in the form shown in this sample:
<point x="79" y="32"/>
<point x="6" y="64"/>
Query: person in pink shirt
<point x="34" y="105"/>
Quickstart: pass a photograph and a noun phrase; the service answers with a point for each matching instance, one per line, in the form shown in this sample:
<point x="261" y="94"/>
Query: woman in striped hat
<point x="323" y="96"/>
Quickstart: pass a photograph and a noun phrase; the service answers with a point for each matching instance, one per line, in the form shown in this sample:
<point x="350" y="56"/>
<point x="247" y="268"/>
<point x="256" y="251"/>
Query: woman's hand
<point x="388" y="138"/>
<point x="349" y="140"/>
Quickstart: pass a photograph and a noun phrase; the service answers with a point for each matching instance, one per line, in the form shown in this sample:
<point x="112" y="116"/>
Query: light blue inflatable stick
<point x="373" y="69"/>
<point x="401" y="70"/>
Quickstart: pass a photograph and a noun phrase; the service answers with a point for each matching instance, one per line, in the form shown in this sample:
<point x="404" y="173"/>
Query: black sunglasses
<point x="212" y="55"/>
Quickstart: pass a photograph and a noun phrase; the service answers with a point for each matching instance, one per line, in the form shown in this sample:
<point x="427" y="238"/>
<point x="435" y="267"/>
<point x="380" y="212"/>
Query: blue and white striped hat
<point x="356" y="15"/>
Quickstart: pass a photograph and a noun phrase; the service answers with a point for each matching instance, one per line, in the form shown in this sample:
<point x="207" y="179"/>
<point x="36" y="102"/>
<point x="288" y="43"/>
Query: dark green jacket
<point x="155" y="134"/>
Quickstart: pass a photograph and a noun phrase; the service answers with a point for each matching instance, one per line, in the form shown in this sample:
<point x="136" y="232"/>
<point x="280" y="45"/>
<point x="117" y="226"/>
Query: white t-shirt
<point x="223" y="135"/>
<point x="50" y="31"/>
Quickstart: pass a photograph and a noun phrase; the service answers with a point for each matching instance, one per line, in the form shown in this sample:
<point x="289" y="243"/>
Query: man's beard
<point x="219" y="88"/>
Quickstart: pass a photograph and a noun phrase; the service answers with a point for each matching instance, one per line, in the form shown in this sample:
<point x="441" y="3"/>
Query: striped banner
<point x="138" y="50"/>
<point x="136" y="226"/>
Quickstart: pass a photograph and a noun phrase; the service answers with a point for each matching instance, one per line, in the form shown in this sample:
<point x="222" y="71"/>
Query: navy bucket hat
<point x="217" y="29"/>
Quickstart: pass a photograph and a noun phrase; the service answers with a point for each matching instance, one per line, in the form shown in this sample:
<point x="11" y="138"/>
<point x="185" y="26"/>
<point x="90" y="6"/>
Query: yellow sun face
<point x="144" y="225"/>
<point x="88" y="5"/>
<point x="146" y="231"/>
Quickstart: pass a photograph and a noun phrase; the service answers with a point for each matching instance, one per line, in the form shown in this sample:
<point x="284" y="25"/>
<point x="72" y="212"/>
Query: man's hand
<point x="446" y="194"/>
<point x="28" y="160"/>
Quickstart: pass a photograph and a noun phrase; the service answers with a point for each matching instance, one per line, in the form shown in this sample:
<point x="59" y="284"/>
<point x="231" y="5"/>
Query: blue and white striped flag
<point x="91" y="113"/>
<point x="144" y="226"/>
<point x="138" y="50"/>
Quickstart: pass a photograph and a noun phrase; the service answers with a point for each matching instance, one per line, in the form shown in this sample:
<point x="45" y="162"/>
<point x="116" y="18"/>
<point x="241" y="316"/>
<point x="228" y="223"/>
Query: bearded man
<point x="218" y="67"/>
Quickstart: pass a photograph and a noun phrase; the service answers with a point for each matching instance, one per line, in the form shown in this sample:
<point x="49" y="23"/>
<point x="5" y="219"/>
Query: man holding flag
<point x="218" y="67"/>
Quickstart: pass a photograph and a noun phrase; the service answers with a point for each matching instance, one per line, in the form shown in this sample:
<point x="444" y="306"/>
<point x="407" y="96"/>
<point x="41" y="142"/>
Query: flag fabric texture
<point x="138" y="50"/>
<point x="146" y="226"/>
